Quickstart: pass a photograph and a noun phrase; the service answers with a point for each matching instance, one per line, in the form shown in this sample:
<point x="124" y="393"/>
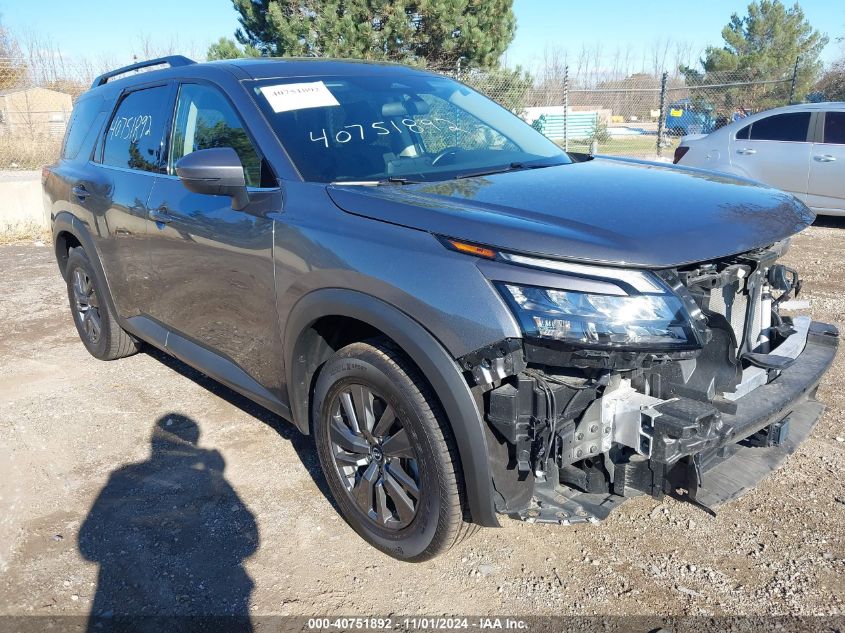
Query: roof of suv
<point x="248" y="68"/>
<point x="266" y="67"/>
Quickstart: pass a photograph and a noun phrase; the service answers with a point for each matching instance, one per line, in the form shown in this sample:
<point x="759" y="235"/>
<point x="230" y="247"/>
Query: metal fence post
<point x="661" y="119"/>
<point x="794" y="79"/>
<point x="565" y="108"/>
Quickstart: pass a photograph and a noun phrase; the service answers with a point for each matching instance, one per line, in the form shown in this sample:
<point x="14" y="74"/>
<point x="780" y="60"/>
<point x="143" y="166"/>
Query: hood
<point x="604" y="210"/>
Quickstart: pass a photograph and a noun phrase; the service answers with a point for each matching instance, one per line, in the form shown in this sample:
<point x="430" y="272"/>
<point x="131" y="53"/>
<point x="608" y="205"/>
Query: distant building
<point x="34" y="112"/>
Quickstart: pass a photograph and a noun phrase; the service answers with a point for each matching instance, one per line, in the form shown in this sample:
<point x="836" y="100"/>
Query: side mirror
<point x="217" y="172"/>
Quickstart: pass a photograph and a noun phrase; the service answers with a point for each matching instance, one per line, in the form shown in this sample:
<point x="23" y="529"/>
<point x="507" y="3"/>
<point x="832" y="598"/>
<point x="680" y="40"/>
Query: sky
<point x="570" y="25"/>
<point x="100" y="29"/>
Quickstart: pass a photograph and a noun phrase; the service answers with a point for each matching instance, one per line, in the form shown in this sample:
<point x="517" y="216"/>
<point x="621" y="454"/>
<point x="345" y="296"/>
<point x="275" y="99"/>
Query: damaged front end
<point x="687" y="382"/>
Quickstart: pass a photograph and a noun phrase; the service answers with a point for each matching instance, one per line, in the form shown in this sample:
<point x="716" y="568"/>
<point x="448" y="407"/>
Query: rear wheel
<point x="97" y="326"/>
<point x="387" y="452"/>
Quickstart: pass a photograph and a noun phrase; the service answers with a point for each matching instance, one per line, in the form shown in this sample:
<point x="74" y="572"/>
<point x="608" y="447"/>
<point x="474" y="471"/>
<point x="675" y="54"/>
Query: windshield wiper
<point x="392" y="180"/>
<point x="398" y="180"/>
<point x="501" y="170"/>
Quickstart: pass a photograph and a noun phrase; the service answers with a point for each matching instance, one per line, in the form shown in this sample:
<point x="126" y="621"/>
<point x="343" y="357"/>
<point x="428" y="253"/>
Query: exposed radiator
<point x="733" y="302"/>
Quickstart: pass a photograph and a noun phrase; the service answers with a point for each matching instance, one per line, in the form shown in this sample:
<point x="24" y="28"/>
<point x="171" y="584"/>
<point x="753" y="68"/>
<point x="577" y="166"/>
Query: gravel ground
<point x="256" y="515"/>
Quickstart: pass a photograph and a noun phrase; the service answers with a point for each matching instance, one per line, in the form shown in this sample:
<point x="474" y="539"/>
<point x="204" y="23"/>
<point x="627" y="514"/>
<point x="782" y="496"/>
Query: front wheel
<point x="388" y="453"/>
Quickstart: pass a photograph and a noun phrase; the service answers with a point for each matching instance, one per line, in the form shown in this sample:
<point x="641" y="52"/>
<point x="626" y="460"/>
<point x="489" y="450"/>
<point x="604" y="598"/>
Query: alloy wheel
<point x="87" y="305"/>
<point x="374" y="457"/>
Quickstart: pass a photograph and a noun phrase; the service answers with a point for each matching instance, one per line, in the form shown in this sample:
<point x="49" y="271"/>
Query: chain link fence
<point x="35" y="106"/>
<point x="639" y="115"/>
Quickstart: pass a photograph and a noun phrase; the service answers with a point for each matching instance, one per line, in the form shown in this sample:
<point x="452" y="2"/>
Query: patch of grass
<point x="19" y="152"/>
<point x="24" y="232"/>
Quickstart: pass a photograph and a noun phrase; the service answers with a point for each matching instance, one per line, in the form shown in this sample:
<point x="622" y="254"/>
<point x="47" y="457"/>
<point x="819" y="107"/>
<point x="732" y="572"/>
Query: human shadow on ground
<point x="170" y="535"/>
<point x="303" y="445"/>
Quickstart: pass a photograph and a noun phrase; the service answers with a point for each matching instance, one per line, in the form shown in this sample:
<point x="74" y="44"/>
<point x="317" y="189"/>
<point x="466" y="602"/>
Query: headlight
<point x="647" y="321"/>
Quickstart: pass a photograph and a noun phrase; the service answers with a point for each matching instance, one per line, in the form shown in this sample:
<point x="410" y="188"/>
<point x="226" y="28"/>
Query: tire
<point x="376" y="382"/>
<point x="96" y="325"/>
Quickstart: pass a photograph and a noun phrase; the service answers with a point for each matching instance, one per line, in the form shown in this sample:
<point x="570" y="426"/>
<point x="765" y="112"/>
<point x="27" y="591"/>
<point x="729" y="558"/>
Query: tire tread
<point x="460" y="529"/>
<point x="119" y="343"/>
<point x="453" y="517"/>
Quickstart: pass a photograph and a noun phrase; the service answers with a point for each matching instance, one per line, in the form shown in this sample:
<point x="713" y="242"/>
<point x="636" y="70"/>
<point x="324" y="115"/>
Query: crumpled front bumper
<point x="769" y="424"/>
<point x="715" y="457"/>
<point x="710" y="457"/>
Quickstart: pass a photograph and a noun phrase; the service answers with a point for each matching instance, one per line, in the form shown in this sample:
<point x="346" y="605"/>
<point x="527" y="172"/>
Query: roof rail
<point x="172" y="60"/>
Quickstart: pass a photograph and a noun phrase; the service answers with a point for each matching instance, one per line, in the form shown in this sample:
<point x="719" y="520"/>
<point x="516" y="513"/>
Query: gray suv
<point x="470" y="321"/>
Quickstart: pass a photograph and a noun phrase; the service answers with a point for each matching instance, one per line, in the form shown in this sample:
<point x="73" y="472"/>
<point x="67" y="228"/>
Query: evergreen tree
<point x="441" y="33"/>
<point x="509" y="86"/>
<point x="227" y="48"/>
<point x="764" y="45"/>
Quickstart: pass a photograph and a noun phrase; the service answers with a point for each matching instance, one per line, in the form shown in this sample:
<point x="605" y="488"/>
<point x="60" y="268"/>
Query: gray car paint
<point x="176" y="282"/>
<point x="603" y="210"/>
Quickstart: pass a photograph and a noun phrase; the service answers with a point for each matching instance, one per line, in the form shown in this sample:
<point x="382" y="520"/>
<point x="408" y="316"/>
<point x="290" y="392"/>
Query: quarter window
<point x="743" y="133"/>
<point x="834" y="128"/>
<point x="134" y="136"/>
<point x="791" y="126"/>
<point x="204" y="119"/>
<point x="81" y="121"/>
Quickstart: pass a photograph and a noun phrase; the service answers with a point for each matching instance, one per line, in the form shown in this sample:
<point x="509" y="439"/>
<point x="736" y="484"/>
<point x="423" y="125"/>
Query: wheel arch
<point x="64" y="241"/>
<point x="307" y="347"/>
<point x="69" y="232"/>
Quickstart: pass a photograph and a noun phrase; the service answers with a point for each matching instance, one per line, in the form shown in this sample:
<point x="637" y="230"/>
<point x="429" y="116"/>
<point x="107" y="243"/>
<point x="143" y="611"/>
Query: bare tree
<point x="148" y="48"/>
<point x="616" y="62"/>
<point x="582" y="61"/>
<point x="685" y="54"/>
<point x="550" y="77"/>
<point x="595" y="64"/>
<point x="629" y="52"/>
<point x="659" y="53"/>
<point x="50" y="68"/>
<point x="12" y="67"/>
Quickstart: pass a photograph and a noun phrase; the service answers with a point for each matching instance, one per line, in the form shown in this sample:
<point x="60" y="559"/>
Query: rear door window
<point x="134" y="137"/>
<point x="791" y="126"/>
<point x="834" y="128"/>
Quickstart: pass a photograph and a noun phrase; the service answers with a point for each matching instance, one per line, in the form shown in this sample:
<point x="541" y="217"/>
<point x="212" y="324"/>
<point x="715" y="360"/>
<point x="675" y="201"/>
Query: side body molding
<point x="439" y="368"/>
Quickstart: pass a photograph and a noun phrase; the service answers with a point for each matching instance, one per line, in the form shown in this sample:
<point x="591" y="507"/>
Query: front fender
<point x="437" y="365"/>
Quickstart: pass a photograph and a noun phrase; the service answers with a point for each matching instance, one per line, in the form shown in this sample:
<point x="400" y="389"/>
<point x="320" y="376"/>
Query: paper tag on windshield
<point x="287" y="97"/>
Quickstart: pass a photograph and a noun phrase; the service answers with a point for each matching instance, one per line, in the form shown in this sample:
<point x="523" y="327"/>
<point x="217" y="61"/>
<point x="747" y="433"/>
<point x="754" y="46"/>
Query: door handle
<point x="746" y="152"/>
<point x="160" y="215"/>
<point x="80" y="192"/>
<point x="824" y="158"/>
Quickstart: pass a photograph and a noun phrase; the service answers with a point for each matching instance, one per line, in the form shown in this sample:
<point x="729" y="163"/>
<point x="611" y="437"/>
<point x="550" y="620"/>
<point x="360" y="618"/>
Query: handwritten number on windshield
<point x="341" y="137"/>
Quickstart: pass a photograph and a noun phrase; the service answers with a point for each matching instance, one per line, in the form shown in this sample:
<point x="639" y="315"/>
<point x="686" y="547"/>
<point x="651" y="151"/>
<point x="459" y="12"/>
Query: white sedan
<point x="800" y="149"/>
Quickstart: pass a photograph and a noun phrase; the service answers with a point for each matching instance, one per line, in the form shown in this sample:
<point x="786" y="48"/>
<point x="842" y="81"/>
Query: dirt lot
<point x="266" y="531"/>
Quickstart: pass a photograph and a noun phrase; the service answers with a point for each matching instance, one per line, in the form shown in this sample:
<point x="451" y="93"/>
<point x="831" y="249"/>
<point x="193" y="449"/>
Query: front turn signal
<point x="472" y="249"/>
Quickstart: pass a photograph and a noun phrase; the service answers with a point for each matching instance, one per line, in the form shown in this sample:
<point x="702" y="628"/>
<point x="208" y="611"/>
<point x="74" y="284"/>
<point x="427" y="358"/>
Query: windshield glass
<point x="406" y="128"/>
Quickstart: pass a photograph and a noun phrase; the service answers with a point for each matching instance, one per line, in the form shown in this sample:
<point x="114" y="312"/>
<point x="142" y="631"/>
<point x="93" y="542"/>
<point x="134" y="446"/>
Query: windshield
<point x="411" y="128"/>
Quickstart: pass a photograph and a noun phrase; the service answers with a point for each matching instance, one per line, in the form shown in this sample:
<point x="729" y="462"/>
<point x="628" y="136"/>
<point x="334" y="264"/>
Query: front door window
<point x="205" y="119"/>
